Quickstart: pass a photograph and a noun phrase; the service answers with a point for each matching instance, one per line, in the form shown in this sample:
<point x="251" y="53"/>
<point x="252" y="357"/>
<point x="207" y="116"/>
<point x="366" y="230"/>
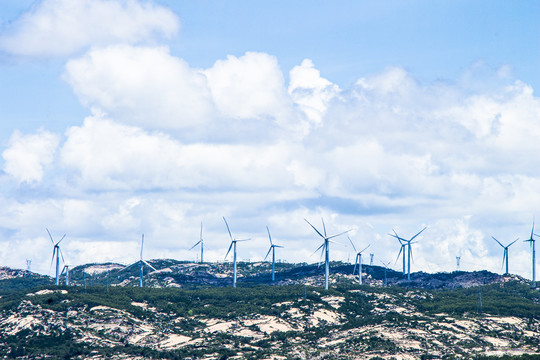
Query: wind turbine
<point x="401" y="250"/>
<point x="232" y="246"/>
<point x="358" y="261"/>
<point x="273" y="250"/>
<point x="201" y="241"/>
<point x="409" y="249"/>
<point x="532" y="241"/>
<point x="326" y="249"/>
<point x="57" y="252"/>
<point x="385" y="269"/>
<point x="505" y="255"/>
<point x="142" y="263"/>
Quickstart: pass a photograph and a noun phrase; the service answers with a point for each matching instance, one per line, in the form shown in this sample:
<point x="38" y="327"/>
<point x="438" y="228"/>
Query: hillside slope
<point x="263" y="322"/>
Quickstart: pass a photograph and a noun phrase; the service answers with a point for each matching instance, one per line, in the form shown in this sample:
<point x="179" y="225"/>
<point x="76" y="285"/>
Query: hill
<point x="433" y="316"/>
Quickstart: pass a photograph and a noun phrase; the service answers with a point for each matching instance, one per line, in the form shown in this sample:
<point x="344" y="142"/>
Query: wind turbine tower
<point x="142" y="262"/>
<point x="233" y="246"/>
<point x="505" y="255"/>
<point x="326" y="250"/>
<point x="385" y="269"/>
<point x="201" y="241"/>
<point x="28" y="264"/>
<point x="273" y="250"/>
<point x="409" y="250"/>
<point x="371" y="259"/>
<point x="531" y="240"/>
<point x="458" y="259"/>
<point x="58" y="253"/>
<point x="66" y="271"/>
<point x="358" y="261"/>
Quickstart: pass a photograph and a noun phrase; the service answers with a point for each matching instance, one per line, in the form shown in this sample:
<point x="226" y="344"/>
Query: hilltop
<point x="190" y="311"/>
<point x="189" y="275"/>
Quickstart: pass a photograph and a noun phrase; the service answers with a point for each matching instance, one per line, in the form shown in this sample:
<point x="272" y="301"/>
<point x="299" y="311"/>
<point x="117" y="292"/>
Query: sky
<point x="123" y="117"/>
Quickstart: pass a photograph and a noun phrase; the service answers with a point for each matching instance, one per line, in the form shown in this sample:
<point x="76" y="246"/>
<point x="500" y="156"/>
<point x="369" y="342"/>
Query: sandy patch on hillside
<point x="333" y="301"/>
<point x="324" y="315"/>
<point x="174" y="340"/>
<point x="47" y="292"/>
<point x="215" y="325"/>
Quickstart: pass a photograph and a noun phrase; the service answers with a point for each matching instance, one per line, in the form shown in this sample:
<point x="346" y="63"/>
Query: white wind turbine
<point x="531" y="240"/>
<point x="233" y="246"/>
<point x="401" y="250"/>
<point x="201" y="241"/>
<point x="273" y="250"/>
<point x="325" y="249"/>
<point x="58" y="253"/>
<point x="409" y="249"/>
<point x="505" y="255"/>
<point x="141" y="262"/>
<point x="358" y="261"/>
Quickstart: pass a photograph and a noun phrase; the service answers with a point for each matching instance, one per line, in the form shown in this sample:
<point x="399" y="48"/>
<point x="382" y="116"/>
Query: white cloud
<point x="142" y="86"/>
<point x="249" y="87"/>
<point x="27" y="156"/>
<point x="64" y="27"/>
<point x="390" y="151"/>
<point x="107" y="155"/>
<point x="310" y="91"/>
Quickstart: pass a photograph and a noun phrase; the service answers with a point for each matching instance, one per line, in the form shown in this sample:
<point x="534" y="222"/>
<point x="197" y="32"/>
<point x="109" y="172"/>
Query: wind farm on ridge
<point x="405" y="251"/>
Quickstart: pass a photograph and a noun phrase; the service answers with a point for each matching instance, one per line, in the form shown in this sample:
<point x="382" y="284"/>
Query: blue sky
<point x="125" y="117"/>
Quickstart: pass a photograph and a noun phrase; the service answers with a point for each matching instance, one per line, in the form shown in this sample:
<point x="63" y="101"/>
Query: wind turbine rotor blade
<point x="52" y="259"/>
<point x="198" y="242"/>
<point x="397" y="259"/>
<point x="532" y="230"/>
<point x="268" y="253"/>
<point x="333" y="236"/>
<point x="512" y="243"/>
<point x="497" y="241"/>
<point x="418" y="233"/>
<point x="228" y="251"/>
<point x="242" y="240"/>
<point x="149" y="265"/>
<point x="269" y="236"/>
<point x="229" y="230"/>
<point x="201" y="232"/>
<point x="355" y="263"/>
<point x="61" y="255"/>
<point x="324" y="227"/>
<point x="127" y="267"/>
<point x="320" y="247"/>
<point x="352" y="244"/>
<point x="59" y="241"/>
<point x="50" y="236"/>
<point x="278" y="246"/>
<point x="314" y="228"/>
<point x="365" y="248"/>
<point x="504" y="258"/>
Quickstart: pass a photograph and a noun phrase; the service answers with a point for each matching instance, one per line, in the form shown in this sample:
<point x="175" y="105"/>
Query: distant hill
<point x="188" y="275"/>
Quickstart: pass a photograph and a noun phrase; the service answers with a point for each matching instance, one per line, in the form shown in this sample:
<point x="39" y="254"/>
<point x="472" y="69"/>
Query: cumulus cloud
<point x="248" y="87"/>
<point x="106" y="155"/>
<point x="389" y="151"/>
<point x="311" y="92"/>
<point x="27" y="156"/>
<point x="64" y="27"/>
<point x="144" y="86"/>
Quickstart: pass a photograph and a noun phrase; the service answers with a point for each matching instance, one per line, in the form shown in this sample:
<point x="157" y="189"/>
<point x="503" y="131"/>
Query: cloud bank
<point x="167" y="145"/>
